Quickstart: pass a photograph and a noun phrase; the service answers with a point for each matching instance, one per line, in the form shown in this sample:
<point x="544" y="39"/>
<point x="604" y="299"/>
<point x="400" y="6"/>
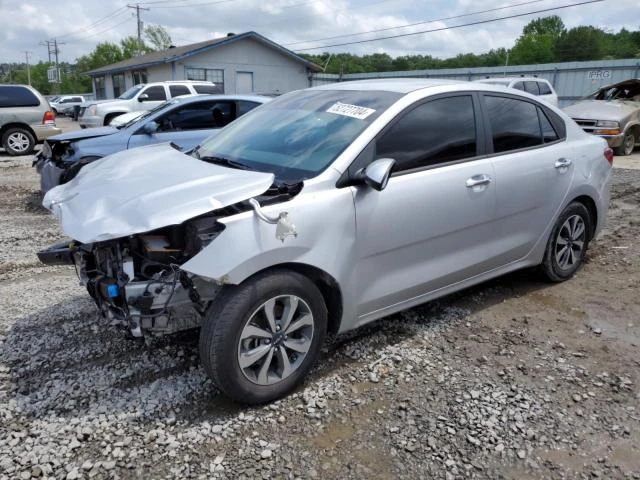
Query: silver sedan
<point x="326" y="209"/>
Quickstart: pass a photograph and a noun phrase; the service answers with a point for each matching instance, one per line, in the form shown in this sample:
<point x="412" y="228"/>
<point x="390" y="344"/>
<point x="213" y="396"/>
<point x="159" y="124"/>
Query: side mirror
<point x="143" y="97"/>
<point x="150" y="128"/>
<point x="377" y="173"/>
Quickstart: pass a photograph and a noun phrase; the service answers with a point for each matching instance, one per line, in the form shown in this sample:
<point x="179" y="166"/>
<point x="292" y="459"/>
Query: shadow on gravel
<point x="33" y="202"/>
<point x="64" y="361"/>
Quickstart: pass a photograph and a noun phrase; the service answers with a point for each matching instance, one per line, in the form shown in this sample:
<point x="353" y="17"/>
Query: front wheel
<point x="568" y="242"/>
<point x="260" y="338"/>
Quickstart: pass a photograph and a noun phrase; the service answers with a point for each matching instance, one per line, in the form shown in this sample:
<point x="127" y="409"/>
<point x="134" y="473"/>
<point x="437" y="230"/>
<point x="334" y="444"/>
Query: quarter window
<point x="438" y="131"/>
<point x="518" y="85"/>
<point x="16" y="96"/>
<point x="514" y="123"/>
<point x="155" y="93"/>
<point x="548" y="132"/>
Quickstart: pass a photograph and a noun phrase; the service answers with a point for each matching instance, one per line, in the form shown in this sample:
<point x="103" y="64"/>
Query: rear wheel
<point x="568" y="242"/>
<point x="260" y="339"/>
<point x="18" y="141"/>
<point x="628" y="144"/>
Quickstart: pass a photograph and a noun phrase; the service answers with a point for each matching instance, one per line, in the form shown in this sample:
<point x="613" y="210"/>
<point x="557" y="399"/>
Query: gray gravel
<point x="512" y="379"/>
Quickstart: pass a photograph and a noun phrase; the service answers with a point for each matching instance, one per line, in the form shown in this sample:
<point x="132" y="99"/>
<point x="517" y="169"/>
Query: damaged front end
<point x="137" y="282"/>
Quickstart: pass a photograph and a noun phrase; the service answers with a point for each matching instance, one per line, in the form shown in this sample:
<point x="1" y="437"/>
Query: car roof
<point x="398" y="85"/>
<point x="511" y="79"/>
<point x="220" y="96"/>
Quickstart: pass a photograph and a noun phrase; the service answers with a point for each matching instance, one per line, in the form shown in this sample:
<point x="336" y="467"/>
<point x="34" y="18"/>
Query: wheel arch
<point x="591" y="207"/>
<point x="326" y="283"/>
<point x="110" y="116"/>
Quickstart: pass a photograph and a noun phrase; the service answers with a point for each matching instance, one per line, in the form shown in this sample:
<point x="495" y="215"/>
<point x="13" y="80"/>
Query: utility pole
<point x="26" y="54"/>
<point x="139" y="22"/>
<point x="47" y="43"/>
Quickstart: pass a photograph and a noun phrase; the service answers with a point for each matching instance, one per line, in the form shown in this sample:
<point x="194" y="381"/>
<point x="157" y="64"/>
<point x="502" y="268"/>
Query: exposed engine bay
<point x="137" y="282"/>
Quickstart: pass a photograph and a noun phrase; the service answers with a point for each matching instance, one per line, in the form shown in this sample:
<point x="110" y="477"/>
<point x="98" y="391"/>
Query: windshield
<point x="129" y="94"/>
<point x="299" y="134"/>
<point x="149" y="113"/>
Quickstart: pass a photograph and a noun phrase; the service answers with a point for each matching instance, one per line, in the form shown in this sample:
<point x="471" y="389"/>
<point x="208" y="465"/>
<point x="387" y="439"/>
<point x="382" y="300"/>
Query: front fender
<point x="325" y="223"/>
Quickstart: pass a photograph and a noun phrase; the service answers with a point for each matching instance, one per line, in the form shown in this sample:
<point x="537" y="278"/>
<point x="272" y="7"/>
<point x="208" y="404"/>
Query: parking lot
<point x="515" y="378"/>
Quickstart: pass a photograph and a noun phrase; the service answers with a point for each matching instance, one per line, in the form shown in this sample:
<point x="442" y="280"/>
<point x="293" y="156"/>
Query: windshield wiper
<point x="224" y="161"/>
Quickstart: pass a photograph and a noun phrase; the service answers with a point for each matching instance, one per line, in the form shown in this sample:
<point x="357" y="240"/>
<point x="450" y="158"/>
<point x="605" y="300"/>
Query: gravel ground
<point x="513" y="379"/>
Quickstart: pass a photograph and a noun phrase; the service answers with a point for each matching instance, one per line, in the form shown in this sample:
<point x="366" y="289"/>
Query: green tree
<point x="158" y="37"/>
<point x="551" y="25"/>
<point x="131" y="47"/>
<point x="581" y="44"/>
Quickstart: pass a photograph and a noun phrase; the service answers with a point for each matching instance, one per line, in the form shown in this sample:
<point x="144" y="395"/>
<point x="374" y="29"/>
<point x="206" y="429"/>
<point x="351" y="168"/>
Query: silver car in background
<point x="613" y="113"/>
<point x="326" y="209"/>
<point x="539" y="87"/>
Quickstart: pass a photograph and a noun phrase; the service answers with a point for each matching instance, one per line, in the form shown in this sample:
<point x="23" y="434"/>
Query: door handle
<point x="482" y="179"/>
<point x="562" y="163"/>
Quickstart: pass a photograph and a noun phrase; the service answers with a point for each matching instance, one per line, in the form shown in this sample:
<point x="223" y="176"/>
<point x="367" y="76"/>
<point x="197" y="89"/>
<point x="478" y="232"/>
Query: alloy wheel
<point x="18" y="142"/>
<point x="275" y="340"/>
<point x="570" y="242"/>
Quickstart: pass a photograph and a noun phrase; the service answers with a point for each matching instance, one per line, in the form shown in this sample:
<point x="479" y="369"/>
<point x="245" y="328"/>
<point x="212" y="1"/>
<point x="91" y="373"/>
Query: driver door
<point x="432" y="225"/>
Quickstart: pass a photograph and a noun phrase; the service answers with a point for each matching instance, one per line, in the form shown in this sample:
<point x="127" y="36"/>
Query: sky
<point x="300" y="25"/>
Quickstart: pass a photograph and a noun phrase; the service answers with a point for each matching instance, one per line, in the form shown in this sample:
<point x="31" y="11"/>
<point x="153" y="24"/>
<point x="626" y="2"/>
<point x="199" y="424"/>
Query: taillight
<point x="49" y="118"/>
<point x="608" y="155"/>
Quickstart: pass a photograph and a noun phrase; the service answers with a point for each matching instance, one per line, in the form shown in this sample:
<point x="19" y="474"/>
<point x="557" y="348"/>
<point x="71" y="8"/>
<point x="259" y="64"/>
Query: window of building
<point x="207" y="74"/>
<point x="438" y="131"/>
<point x="101" y="92"/>
<point x="514" y="123"/>
<point x="139" y="76"/>
<point x="118" y="84"/>
<point x="176" y="90"/>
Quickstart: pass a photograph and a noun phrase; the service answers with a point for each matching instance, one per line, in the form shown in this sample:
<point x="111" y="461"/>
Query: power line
<point x="100" y="20"/>
<point x="414" y="24"/>
<point x="480" y="22"/>
<point x="79" y="39"/>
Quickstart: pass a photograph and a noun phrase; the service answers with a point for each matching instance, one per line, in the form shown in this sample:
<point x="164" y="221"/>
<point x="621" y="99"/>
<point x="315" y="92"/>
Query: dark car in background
<point x="185" y="121"/>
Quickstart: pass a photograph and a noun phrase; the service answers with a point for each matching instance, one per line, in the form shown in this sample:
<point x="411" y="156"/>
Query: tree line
<point x="543" y="40"/>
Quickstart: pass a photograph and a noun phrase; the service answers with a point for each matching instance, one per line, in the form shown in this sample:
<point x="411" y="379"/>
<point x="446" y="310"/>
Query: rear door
<point x="533" y="167"/>
<point x="431" y="226"/>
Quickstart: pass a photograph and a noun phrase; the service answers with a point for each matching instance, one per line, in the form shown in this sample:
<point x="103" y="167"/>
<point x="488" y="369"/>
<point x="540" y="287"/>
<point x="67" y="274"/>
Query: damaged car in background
<point x="613" y="113"/>
<point x="184" y="120"/>
<point x="324" y="210"/>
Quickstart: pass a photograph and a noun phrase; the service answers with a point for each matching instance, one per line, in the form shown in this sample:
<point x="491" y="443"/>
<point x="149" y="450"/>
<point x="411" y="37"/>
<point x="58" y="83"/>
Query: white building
<point x="241" y="63"/>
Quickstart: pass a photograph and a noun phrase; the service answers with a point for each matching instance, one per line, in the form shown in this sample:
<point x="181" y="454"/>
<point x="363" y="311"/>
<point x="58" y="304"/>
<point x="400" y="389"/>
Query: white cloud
<point x="288" y="21"/>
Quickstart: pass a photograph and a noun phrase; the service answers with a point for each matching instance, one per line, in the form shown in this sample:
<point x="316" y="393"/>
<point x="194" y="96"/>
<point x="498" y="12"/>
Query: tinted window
<point x="200" y="115"/>
<point x="156" y="93"/>
<point x="77" y="99"/>
<point x="548" y="132"/>
<point x="244" y="106"/>
<point x="176" y="90"/>
<point x="532" y="88"/>
<point x="518" y="86"/>
<point x="544" y="88"/>
<point x="514" y="123"/>
<point x="438" y="131"/>
<point x="208" y="89"/>
<point x="11" y="96"/>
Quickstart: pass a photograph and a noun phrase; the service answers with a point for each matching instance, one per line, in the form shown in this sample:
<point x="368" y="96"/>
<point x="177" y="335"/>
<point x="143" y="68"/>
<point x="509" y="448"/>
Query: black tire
<point x="560" y="264"/>
<point x="18" y="141"/>
<point x="628" y="144"/>
<point x="233" y="309"/>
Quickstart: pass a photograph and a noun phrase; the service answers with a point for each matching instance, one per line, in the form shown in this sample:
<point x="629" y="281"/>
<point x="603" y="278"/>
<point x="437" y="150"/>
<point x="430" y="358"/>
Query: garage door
<point x="244" y="82"/>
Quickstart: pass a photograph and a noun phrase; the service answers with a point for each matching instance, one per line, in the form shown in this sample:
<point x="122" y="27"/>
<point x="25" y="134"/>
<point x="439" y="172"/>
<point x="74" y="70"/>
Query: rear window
<point x="16" y="96"/>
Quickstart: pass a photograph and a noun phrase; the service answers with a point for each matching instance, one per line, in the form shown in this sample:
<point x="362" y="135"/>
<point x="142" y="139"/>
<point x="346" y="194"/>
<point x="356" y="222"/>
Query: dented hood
<point x="143" y="189"/>
<point x="615" y="110"/>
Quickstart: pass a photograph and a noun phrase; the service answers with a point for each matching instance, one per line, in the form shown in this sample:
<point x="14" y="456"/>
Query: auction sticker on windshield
<point x="353" y="111"/>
